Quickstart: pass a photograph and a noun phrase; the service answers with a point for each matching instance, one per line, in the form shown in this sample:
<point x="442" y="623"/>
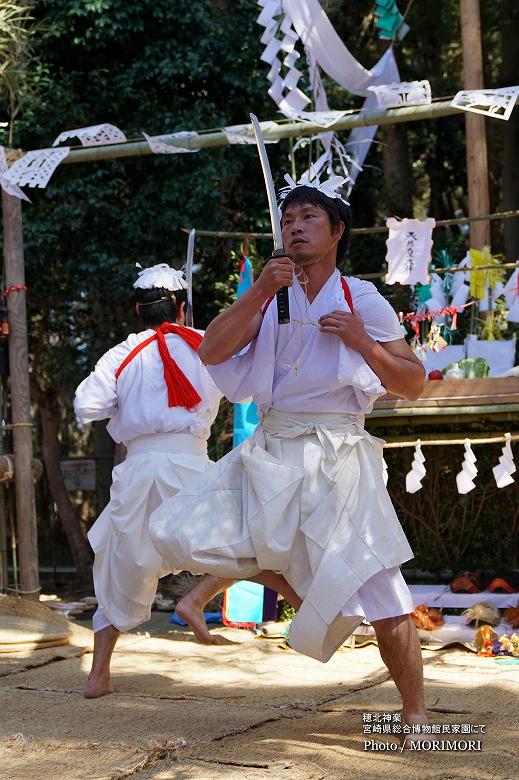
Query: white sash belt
<point x="168" y="442"/>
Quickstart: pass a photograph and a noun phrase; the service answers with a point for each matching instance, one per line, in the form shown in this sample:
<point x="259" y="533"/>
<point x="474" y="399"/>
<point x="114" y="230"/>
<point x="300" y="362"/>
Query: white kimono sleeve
<point x="379" y="317"/>
<point x="96" y="396"/>
<point x="250" y="373"/>
<point x="382" y="324"/>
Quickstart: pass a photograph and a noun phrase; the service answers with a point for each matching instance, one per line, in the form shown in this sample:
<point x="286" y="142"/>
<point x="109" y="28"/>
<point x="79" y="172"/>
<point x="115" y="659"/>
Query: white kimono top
<point x="297" y="368"/>
<point x="137" y="401"/>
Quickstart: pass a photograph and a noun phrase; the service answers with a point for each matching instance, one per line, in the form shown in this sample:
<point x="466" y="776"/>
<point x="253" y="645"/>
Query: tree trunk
<point x="48" y="408"/>
<point x="397" y="171"/>
<point x="26" y="524"/>
<point x="510" y="129"/>
<point x="475" y="129"/>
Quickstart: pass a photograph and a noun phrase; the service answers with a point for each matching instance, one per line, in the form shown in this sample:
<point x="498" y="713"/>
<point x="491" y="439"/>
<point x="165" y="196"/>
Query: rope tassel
<point x="180" y="390"/>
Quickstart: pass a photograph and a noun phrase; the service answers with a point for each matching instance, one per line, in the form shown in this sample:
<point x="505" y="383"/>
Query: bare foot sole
<point x="97" y="687"/>
<point x="193" y="614"/>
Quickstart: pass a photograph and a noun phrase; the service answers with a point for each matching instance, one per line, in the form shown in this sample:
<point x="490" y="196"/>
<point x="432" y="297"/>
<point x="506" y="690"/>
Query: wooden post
<point x="20" y="398"/>
<point x="477" y="160"/>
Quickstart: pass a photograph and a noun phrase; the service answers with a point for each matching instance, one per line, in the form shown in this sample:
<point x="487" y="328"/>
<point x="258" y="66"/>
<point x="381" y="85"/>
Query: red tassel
<point x="180" y="390"/>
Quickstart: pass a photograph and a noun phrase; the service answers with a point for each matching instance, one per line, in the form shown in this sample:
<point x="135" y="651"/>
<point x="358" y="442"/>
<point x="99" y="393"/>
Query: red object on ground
<point x="435" y="374"/>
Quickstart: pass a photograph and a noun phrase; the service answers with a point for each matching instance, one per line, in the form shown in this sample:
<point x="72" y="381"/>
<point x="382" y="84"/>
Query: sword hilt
<point x="282" y="295"/>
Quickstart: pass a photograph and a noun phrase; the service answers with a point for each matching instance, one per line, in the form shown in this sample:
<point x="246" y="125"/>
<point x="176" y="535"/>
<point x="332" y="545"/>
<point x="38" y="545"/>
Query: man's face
<point x="307" y="232"/>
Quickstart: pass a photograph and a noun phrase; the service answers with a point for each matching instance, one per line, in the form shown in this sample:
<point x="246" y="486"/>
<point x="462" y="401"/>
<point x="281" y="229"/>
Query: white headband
<point x="161" y="275"/>
<point x="328" y="187"/>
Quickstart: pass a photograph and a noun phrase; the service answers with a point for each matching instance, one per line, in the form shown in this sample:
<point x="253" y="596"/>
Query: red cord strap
<point x="345" y="288"/>
<point x="15" y="288"/>
<point x="180" y="390"/>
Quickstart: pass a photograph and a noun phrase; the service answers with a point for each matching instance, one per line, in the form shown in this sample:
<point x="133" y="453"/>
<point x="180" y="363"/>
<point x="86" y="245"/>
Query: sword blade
<point x="269" y="184"/>
<point x="189" y="276"/>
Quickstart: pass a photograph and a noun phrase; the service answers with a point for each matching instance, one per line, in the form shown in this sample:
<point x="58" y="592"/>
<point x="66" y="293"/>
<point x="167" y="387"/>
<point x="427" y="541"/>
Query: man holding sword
<point x="305" y="496"/>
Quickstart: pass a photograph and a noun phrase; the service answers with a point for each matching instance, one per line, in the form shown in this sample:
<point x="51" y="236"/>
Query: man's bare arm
<point x="397" y="367"/>
<point x="238" y="325"/>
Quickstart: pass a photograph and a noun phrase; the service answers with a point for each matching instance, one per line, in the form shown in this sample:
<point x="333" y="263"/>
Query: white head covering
<point x="161" y="275"/>
<point x="311" y="179"/>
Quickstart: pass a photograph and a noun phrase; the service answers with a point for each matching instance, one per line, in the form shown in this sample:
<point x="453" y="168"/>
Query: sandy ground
<point x="245" y="709"/>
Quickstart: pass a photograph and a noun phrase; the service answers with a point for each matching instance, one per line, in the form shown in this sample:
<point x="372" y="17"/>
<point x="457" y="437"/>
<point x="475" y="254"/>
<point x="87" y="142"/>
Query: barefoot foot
<point x="414" y="719"/>
<point x="192" y="612"/>
<point x="98" y="685"/>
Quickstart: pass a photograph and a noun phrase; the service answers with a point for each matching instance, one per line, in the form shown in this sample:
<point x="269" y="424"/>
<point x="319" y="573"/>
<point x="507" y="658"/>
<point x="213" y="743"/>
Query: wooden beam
<point x="476" y="139"/>
<point x="20" y="397"/>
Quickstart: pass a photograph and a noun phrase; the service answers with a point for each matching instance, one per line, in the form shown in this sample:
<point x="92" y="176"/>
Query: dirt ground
<point x="245" y="709"/>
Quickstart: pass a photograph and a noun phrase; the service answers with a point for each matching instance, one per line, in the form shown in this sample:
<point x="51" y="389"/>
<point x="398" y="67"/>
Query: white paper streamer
<point x="465" y="478"/>
<point x="323" y="47"/>
<point x="407" y="93"/>
<point x="506" y="466"/>
<point x="413" y="480"/>
<point x="498" y="103"/>
<point x="158" y="145"/>
<point x="8" y="186"/>
<point x="238" y="134"/>
<point x="95" y="135"/>
<point x="35" y="168"/>
<point x="280" y="37"/>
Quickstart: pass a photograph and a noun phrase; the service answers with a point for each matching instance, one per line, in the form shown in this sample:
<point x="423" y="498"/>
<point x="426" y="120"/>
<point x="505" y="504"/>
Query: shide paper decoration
<point x="506" y="466"/>
<point x="35" y="168"/>
<point x="238" y="134"/>
<point x="286" y="22"/>
<point x="407" y="93"/>
<point x="465" y="478"/>
<point x="409" y="250"/>
<point x="5" y="183"/>
<point x="283" y="88"/>
<point x="95" y="135"/>
<point x="158" y="145"/>
<point x="413" y="480"/>
<point x="498" y="103"/>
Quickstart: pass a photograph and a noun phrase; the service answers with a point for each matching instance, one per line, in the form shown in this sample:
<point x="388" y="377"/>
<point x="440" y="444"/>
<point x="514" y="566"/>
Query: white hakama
<point x="127" y="566"/>
<point x="305" y="495"/>
<point x="166" y="448"/>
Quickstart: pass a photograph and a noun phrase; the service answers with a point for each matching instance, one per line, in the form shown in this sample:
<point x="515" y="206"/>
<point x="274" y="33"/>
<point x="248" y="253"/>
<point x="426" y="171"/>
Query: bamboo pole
<point x="432" y="440"/>
<point x="284" y="130"/>
<point x="20" y="397"/>
<point x="476" y="139"/>
<point x="434" y="411"/>
<point x="359" y="231"/>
